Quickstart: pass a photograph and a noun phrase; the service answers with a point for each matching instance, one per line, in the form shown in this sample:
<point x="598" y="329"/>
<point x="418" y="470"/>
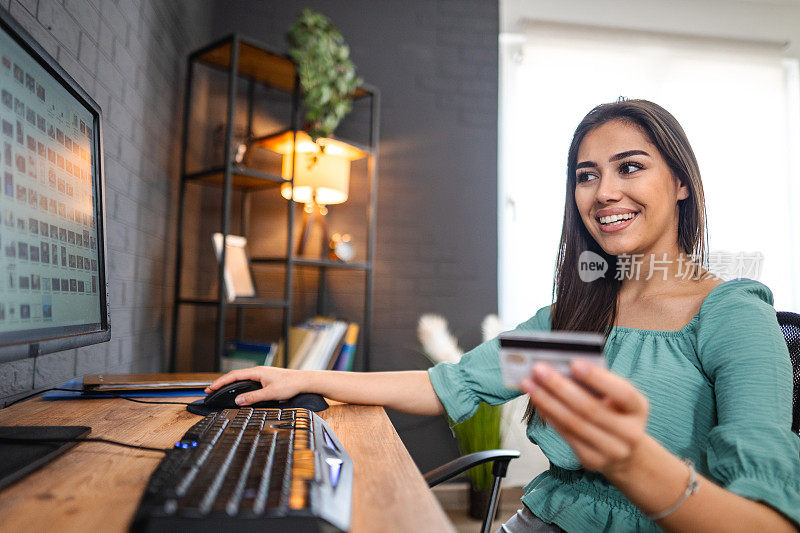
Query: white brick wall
<point x="130" y="56"/>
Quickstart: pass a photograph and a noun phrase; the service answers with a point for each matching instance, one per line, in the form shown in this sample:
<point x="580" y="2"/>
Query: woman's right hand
<point x="277" y="383"/>
<point x="407" y="391"/>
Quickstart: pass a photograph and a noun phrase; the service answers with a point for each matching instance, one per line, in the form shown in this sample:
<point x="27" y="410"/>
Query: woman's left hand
<point x="605" y="427"/>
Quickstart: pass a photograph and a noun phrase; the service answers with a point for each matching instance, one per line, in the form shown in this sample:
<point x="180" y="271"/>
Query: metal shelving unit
<point x="244" y="59"/>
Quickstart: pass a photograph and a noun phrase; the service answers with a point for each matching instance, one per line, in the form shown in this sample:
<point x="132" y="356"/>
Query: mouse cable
<point x="90" y="392"/>
<point x="24" y="440"/>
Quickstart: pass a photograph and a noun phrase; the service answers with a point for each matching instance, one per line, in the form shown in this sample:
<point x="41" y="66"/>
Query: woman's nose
<point x="608" y="190"/>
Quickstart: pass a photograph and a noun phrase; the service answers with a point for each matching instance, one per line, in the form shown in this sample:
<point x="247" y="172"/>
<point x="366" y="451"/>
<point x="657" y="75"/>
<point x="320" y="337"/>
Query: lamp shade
<point x="322" y="173"/>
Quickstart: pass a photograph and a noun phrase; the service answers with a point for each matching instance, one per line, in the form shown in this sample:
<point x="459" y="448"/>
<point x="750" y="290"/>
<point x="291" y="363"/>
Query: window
<point x="737" y="101"/>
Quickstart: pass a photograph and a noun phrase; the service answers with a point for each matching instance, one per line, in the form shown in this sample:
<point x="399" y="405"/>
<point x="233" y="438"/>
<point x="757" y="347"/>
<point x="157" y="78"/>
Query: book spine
<point x="347" y="354"/>
<point x="335" y="340"/>
<point x="322" y="348"/>
<point x="315" y="337"/>
<point x="297" y="358"/>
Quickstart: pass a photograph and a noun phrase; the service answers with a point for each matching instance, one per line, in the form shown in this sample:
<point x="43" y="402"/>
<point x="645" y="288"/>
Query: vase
<point x="479" y="502"/>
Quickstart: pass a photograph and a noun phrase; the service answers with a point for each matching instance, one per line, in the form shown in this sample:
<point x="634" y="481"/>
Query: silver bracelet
<point x="691" y="489"/>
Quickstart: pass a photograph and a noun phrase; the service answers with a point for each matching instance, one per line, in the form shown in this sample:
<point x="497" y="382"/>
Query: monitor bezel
<point x="56" y="343"/>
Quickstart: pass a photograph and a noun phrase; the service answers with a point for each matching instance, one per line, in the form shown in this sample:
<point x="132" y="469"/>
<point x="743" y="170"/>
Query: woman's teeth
<point x="616" y="219"/>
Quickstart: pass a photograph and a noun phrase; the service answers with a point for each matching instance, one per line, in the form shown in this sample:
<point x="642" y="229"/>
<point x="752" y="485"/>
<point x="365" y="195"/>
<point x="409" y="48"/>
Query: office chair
<point x="500" y="458"/>
<point x="790" y="326"/>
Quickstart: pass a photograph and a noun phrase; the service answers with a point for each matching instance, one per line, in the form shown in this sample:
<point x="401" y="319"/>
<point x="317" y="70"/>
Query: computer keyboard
<point x="251" y="470"/>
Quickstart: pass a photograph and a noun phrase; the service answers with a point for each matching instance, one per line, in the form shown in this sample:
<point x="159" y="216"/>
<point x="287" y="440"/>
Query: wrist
<point x="307" y="381"/>
<point x="652" y="478"/>
<point x="692" y="487"/>
<point x="643" y="453"/>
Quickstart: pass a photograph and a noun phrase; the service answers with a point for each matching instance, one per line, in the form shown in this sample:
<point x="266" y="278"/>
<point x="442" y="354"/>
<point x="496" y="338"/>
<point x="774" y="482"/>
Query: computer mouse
<point x="224" y="398"/>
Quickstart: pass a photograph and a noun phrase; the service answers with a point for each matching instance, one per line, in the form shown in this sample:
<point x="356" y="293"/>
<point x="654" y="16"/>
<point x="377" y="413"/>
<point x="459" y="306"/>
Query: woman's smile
<point x="616" y="219"/>
<point x="618" y="225"/>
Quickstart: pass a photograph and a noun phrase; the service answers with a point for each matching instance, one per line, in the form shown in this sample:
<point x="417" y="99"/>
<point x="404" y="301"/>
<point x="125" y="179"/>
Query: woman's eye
<point x="584" y="176"/>
<point x="628" y="168"/>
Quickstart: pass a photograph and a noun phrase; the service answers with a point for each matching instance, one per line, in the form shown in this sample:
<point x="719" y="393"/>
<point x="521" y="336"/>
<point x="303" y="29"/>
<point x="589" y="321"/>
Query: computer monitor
<point x="53" y="285"/>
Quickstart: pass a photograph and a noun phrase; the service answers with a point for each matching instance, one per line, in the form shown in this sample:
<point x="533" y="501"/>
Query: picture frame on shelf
<point x="238" y="277"/>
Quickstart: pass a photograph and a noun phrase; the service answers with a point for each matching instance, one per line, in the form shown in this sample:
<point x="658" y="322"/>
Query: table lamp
<point x="321" y="176"/>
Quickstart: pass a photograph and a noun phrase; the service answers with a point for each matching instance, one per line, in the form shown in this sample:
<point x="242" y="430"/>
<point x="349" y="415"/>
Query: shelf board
<point x="249" y="302"/>
<point x="262" y="140"/>
<point x="258" y="62"/>
<point x="324" y="263"/>
<point x="243" y="178"/>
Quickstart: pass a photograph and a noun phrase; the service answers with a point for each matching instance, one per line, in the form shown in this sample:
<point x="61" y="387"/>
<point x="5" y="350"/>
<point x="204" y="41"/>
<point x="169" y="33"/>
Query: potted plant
<point x="327" y="75"/>
<point x="483" y="430"/>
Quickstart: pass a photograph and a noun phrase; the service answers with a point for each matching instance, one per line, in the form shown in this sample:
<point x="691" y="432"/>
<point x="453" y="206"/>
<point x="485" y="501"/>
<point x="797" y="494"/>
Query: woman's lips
<point x="611" y="228"/>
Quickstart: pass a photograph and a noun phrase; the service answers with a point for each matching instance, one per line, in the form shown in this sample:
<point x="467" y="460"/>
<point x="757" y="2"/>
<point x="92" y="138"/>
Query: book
<point x="298" y="342"/>
<point x="315" y="344"/>
<point x="322" y="351"/>
<point x="241" y="354"/>
<point x="337" y="350"/>
<point x="336" y="345"/>
<point x="308" y="362"/>
<point x="348" y="351"/>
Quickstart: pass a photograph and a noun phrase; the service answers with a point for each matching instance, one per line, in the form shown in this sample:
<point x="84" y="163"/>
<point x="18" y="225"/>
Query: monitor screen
<point x="52" y="260"/>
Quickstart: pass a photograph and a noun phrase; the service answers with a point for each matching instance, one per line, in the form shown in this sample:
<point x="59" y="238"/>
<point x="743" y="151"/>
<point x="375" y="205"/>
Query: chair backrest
<point x="790" y="325"/>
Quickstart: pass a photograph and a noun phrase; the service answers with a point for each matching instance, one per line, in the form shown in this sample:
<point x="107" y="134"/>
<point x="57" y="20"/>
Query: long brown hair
<point x="580" y="306"/>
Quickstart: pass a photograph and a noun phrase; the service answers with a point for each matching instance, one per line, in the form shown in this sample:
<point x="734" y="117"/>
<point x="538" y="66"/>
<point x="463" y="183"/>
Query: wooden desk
<point x="96" y="487"/>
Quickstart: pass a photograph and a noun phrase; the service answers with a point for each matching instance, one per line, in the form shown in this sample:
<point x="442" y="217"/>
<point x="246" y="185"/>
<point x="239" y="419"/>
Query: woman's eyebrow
<point x="621" y="155"/>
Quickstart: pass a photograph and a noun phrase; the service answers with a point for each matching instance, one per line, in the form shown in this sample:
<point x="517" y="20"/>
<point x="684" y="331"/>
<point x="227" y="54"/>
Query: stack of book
<point x="322" y="344"/>
<point x="239" y="354"/>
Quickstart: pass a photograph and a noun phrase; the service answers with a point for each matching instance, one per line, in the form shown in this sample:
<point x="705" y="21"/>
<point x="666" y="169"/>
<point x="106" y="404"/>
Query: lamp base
<point x="309" y="218"/>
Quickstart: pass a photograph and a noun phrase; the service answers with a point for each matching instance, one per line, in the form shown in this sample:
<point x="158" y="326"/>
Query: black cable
<point x="24" y="440"/>
<point x="90" y="392"/>
<point x="87" y="439"/>
<point x="116" y="395"/>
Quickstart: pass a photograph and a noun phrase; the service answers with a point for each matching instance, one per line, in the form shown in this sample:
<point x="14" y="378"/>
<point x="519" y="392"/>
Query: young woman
<point x="689" y="429"/>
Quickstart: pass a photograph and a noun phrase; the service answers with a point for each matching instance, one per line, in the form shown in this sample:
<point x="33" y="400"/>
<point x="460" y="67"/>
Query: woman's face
<point x="619" y="172"/>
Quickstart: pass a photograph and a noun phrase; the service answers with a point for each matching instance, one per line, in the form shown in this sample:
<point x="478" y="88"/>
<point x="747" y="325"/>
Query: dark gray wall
<point x="435" y="62"/>
<point x="130" y="57"/>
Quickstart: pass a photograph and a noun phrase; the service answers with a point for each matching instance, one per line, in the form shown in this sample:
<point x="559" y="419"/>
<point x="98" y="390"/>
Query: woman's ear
<point x="683" y="192"/>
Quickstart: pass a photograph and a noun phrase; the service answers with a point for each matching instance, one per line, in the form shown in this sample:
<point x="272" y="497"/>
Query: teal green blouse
<point x="720" y="392"/>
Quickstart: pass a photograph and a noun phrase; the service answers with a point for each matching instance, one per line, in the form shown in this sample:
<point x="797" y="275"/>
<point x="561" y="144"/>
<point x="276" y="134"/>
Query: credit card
<point x="520" y="350"/>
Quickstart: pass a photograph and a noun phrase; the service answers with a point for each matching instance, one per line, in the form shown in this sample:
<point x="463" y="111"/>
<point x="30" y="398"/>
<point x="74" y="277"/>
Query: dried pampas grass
<point x="440" y="345"/>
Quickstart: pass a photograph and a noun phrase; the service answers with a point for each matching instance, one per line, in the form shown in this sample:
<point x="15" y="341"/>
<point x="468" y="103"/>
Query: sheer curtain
<point x="737" y="101"/>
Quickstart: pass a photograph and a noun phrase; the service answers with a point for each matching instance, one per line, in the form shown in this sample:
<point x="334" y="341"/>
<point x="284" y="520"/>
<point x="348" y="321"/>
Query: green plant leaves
<point x="327" y="75"/>
<point x="476" y="434"/>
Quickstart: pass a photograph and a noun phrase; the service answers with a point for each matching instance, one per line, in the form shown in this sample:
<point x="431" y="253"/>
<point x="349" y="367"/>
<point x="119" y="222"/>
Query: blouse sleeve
<point x="476" y="378"/>
<point x="752" y="451"/>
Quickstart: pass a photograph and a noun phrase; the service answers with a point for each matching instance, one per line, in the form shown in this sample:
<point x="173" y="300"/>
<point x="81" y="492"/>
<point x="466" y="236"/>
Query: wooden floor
<point x="465" y="524"/>
<point x="453" y="499"/>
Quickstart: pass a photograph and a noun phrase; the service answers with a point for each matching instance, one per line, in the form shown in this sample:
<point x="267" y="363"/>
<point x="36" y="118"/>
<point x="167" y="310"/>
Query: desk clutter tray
<point x="131" y="382"/>
<point x="79" y="393"/>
